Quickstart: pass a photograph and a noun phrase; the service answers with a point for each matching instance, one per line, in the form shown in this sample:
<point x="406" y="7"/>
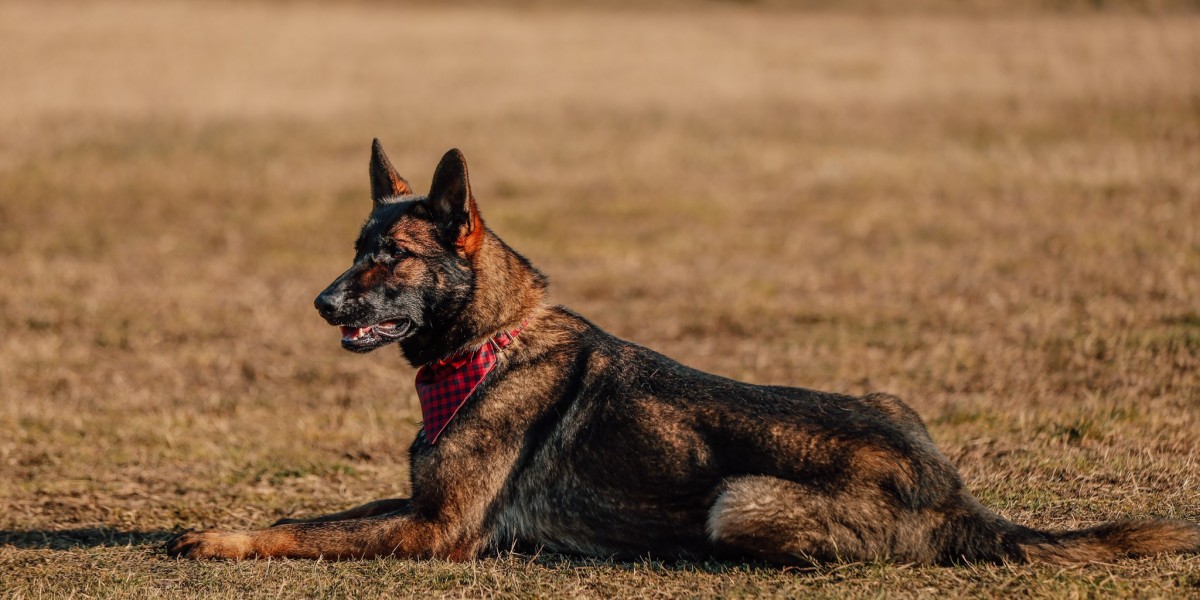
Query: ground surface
<point x="997" y="218"/>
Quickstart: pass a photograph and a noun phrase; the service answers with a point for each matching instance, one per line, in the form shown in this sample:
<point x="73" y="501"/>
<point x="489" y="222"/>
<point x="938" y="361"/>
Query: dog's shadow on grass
<point x="89" y="537"/>
<point x="715" y="566"/>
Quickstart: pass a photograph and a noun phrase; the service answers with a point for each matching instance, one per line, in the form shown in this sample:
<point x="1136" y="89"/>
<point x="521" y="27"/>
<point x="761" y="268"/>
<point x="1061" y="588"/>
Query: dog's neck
<point x="506" y="290"/>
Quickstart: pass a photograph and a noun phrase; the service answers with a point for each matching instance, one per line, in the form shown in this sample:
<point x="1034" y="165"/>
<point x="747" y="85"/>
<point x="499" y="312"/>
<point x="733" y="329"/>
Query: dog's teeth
<point x="351" y="334"/>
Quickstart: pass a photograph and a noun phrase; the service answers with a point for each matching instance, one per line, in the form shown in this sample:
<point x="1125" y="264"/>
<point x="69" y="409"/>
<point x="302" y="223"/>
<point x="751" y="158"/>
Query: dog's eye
<point x="398" y="253"/>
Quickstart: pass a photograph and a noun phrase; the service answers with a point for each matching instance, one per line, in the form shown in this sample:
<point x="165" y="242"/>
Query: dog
<point x="543" y="431"/>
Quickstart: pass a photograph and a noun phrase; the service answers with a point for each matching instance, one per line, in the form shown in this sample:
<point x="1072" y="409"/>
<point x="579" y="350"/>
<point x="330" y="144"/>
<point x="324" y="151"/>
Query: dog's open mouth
<point x="370" y="337"/>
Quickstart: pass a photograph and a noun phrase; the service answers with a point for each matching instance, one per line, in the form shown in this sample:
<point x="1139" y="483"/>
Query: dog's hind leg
<point x="787" y="522"/>
<point x="370" y="509"/>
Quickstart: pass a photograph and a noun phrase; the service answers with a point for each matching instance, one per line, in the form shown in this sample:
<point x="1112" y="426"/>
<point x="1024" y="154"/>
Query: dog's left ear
<point x="452" y="204"/>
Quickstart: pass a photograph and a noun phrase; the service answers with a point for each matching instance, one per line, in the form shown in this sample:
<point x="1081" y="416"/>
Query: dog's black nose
<point x="327" y="304"/>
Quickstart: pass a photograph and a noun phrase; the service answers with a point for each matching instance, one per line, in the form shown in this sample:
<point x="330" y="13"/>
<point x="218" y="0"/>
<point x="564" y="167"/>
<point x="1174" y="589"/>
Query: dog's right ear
<point x="385" y="181"/>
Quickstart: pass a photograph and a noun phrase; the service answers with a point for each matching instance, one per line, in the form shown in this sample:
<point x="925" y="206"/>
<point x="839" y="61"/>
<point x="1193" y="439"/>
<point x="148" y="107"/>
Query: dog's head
<point x="412" y="272"/>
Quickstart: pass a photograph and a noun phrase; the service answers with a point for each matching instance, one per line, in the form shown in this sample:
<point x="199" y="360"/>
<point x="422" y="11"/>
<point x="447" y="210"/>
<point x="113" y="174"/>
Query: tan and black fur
<point x="584" y="443"/>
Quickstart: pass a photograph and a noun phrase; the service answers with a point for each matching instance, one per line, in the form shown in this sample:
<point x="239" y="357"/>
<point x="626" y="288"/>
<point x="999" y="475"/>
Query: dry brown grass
<point x="998" y="219"/>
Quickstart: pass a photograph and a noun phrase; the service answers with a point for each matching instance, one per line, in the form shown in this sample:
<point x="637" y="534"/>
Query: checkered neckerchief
<point x="444" y="386"/>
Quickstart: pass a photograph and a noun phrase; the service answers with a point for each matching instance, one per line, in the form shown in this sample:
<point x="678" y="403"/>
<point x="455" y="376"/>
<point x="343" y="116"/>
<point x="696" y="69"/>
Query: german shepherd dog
<point x="566" y="438"/>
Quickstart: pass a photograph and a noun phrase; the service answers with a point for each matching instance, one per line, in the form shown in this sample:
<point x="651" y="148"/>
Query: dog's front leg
<point x="398" y="534"/>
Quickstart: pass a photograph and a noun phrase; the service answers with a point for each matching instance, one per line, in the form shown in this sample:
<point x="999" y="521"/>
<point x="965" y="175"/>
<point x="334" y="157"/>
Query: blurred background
<point x="989" y="208"/>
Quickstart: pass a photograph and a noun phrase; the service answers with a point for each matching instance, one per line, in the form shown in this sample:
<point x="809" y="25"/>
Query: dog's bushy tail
<point x="1107" y="542"/>
<point x="978" y="534"/>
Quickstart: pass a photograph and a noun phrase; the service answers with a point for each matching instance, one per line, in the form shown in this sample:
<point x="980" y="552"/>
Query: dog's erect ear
<point x="452" y="204"/>
<point x="385" y="181"/>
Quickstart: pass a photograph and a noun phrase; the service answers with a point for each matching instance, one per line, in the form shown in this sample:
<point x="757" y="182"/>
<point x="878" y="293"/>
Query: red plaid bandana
<point x="444" y="386"/>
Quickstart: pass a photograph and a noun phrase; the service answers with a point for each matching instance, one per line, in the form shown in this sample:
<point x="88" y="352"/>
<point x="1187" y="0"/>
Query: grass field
<point x="995" y="217"/>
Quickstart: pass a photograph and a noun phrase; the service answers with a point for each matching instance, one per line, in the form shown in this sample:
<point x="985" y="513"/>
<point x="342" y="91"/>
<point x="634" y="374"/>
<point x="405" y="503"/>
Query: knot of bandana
<point x="443" y="386"/>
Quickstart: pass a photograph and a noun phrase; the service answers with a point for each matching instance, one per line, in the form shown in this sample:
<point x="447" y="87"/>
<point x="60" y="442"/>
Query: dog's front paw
<point x="213" y="543"/>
